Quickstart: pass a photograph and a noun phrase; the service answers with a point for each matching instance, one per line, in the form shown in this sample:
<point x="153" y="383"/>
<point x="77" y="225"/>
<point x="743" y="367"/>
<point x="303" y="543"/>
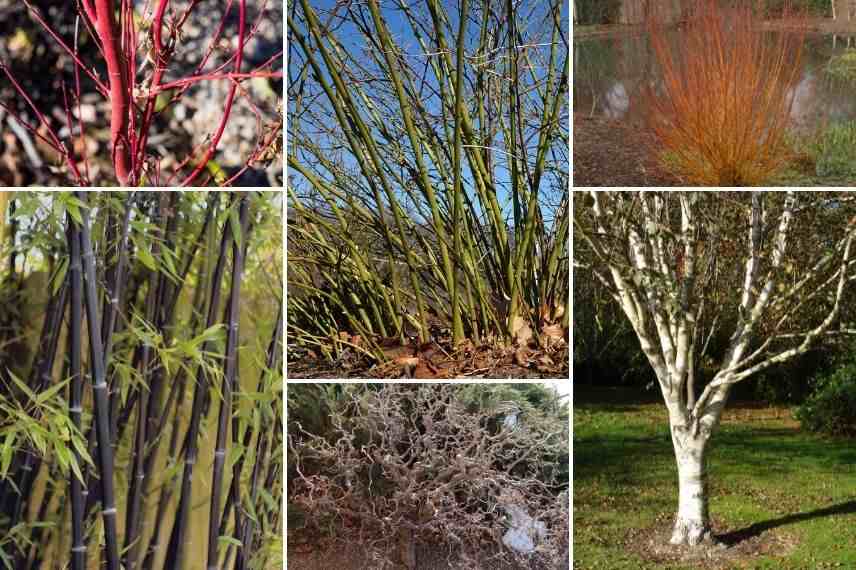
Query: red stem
<point x="120" y="95"/>
<point x="50" y="31"/>
<point x="211" y="77"/>
<point x="159" y="65"/>
<point x="51" y="134"/>
<point x="242" y="16"/>
<point x="90" y="11"/>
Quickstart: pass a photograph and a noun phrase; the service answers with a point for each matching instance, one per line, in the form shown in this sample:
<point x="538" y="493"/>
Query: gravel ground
<point x="201" y="110"/>
<point x="40" y="66"/>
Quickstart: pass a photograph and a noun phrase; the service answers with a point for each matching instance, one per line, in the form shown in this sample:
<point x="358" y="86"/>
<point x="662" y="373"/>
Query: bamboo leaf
<point x="50" y="392"/>
<point x="229" y="540"/>
<point x="72" y="205"/>
<point x="58" y="277"/>
<point x="235" y="225"/>
<point x="24" y="388"/>
<point x="146" y="258"/>
<point x="6" y="453"/>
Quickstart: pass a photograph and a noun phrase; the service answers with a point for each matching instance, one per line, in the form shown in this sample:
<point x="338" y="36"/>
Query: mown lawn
<point x="770" y="482"/>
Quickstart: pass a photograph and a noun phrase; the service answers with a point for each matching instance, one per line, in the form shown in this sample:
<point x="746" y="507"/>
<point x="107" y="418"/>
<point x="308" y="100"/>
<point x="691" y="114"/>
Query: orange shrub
<point x="723" y="107"/>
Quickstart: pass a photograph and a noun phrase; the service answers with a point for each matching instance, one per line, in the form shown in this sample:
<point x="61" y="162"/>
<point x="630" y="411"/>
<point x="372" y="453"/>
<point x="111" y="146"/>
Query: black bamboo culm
<point x="134" y="517"/>
<point x="176" y="548"/>
<point x="99" y="392"/>
<point x="233" y="497"/>
<point x="30" y="462"/>
<point x="200" y="303"/>
<point x="229" y="381"/>
<point x="24" y="461"/>
<point x="78" y="545"/>
<point x="245" y="528"/>
<point x="115" y="285"/>
<point x="140" y="302"/>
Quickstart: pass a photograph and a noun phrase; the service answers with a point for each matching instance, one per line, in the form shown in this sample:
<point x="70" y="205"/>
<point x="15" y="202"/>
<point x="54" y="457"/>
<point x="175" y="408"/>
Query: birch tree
<point x="784" y="260"/>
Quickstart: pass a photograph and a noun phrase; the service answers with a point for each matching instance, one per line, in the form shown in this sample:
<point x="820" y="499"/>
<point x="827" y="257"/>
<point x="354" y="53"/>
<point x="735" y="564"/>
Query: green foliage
<point x="40" y="421"/>
<point x="785" y="383"/>
<point x="843" y="66"/>
<point x="159" y="339"/>
<point x="810" y="7"/>
<point x="831" y="409"/>
<point x="597" y="11"/>
<point x="835" y="150"/>
<point x="528" y="397"/>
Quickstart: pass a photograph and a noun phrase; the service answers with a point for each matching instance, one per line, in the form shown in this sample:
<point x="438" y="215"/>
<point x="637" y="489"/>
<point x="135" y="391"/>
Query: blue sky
<point x="353" y="41"/>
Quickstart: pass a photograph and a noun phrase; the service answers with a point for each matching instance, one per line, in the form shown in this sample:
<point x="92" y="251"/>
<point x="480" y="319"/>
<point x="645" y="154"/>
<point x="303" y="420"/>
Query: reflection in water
<point x="609" y="73"/>
<point x="617" y="101"/>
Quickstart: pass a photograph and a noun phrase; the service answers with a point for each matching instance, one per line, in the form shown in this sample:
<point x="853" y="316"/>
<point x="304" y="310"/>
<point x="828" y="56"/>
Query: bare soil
<point x="730" y="549"/>
<point x="304" y="553"/>
<point x="436" y="361"/>
<point x="609" y="152"/>
<point x="612" y="152"/>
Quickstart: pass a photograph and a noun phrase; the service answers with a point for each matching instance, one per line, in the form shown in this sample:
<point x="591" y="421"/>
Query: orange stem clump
<point x="724" y="106"/>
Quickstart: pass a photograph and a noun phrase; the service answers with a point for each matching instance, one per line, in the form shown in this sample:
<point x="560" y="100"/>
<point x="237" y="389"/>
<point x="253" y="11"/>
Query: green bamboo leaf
<point x="6" y="453"/>
<point x="63" y="457"/>
<point x="58" y="276"/>
<point x="146" y="258"/>
<point x="235" y="225"/>
<point x="211" y="334"/>
<point x="230" y="540"/>
<point x="80" y="447"/>
<point x="168" y="257"/>
<point x="38" y="441"/>
<point x="50" y="392"/>
<point x="24" y="388"/>
<point x="251" y="511"/>
<point x="72" y="205"/>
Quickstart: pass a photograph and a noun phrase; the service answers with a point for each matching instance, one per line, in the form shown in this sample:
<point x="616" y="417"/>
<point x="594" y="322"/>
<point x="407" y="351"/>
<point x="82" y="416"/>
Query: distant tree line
<point x="599" y="12"/>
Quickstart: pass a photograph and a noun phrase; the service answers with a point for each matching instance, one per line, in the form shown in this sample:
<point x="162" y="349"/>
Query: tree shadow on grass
<point x="754" y="530"/>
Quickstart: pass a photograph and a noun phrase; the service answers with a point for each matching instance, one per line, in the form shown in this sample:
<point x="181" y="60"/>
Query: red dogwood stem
<point x="239" y="57"/>
<point x="119" y="92"/>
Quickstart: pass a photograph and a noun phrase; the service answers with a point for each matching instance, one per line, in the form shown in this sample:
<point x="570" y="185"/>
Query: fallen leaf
<point x="521" y="356"/>
<point x="427" y="350"/>
<point x="520" y="330"/>
<point x="407" y="363"/>
<point x="396" y="352"/>
<point x="545" y="363"/>
<point x="389" y="341"/>
<point x="553" y="334"/>
<point x="423" y="371"/>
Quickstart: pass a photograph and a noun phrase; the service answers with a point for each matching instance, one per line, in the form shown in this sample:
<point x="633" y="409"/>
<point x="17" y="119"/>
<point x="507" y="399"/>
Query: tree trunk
<point x="692" y="523"/>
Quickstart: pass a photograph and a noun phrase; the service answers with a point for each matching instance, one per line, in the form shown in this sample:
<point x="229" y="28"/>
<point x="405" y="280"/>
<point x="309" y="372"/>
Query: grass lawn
<point x="780" y="498"/>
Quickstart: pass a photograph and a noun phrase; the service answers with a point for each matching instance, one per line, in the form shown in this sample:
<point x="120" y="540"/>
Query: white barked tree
<point x="764" y="271"/>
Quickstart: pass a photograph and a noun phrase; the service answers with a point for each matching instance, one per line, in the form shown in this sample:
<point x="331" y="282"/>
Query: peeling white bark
<point x="692" y="521"/>
<point x="649" y="259"/>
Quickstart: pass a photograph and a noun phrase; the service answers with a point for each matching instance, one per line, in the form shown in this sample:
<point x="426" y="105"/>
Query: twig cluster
<point x="398" y="224"/>
<point x="139" y="51"/>
<point x="404" y="465"/>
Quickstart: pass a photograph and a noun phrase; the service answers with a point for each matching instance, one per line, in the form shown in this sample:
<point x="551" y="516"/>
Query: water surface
<point x="609" y="72"/>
